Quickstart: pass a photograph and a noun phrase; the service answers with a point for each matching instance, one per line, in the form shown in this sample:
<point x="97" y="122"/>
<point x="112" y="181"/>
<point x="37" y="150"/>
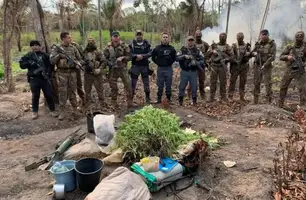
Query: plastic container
<point x="88" y="172"/>
<point x="90" y="126"/>
<point x="68" y="178"/>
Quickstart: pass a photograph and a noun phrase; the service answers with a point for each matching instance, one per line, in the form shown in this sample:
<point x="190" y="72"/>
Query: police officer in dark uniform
<point x="191" y="60"/>
<point x="141" y="51"/>
<point x="164" y="55"/>
<point x="39" y="74"/>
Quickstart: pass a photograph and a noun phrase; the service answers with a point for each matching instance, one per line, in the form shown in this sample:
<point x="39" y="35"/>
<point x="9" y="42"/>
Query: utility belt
<point x="66" y="70"/>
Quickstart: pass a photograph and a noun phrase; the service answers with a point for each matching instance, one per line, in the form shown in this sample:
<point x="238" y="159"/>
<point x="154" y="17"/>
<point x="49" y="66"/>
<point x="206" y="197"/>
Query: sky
<point x="47" y="4"/>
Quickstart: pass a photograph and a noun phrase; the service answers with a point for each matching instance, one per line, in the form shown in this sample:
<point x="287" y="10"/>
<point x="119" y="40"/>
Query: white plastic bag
<point x="104" y="128"/>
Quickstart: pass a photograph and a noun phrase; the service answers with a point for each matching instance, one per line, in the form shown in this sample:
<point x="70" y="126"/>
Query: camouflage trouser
<point x="289" y="75"/>
<point x="266" y="75"/>
<point x="80" y="85"/>
<point x="201" y="81"/>
<point x="241" y="72"/>
<point x="96" y="81"/>
<point x="126" y="80"/>
<point x="67" y="87"/>
<point x="218" y="72"/>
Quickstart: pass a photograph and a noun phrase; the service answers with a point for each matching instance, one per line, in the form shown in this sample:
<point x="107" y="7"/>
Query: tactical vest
<point x="240" y="51"/>
<point x="265" y="50"/>
<point x="201" y="46"/>
<point x="92" y="57"/>
<point x="68" y="64"/>
<point x="114" y="53"/>
<point x="139" y="48"/>
<point x="299" y="52"/>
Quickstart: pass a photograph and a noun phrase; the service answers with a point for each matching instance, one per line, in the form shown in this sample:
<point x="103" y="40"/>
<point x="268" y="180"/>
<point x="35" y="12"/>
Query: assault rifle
<point x="70" y="60"/>
<point x="298" y="62"/>
<point x="220" y="57"/>
<point x="41" y="68"/>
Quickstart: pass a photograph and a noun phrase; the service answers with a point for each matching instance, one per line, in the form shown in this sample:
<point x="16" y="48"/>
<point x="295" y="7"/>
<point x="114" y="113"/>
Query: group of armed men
<point x="194" y="58"/>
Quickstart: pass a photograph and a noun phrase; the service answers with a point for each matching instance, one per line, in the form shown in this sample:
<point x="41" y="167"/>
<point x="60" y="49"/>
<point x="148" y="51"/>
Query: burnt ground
<point x="249" y="135"/>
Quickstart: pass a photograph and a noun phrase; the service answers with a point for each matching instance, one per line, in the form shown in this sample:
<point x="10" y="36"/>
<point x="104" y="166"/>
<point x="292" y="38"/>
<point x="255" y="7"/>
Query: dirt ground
<point x="249" y="135"/>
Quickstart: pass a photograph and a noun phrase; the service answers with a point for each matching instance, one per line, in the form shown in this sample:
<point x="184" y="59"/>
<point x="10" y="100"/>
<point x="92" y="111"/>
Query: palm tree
<point x="111" y="10"/>
<point x="83" y="5"/>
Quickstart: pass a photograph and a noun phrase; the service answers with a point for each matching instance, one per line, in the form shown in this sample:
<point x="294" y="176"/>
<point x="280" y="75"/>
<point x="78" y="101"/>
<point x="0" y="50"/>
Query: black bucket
<point x="88" y="171"/>
<point x="90" y="126"/>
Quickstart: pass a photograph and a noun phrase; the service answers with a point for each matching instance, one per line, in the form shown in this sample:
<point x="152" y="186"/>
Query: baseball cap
<point x="190" y="38"/>
<point x="138" y="32"/>
<point x="115" y="33"/>
<point x="34" y="42"/>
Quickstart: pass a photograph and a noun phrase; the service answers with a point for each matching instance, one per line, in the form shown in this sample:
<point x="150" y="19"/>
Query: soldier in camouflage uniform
<point x="219" y="55"/>
<point x="80" y="91"/>
<point x="93" y="71"/>
<point x="239" y="66"/>
<point x="117" y="55"/>
<point x="264" y="52"/>
<point x="67" y="80"/>
<point x="203" y="47"/>
<point x="292" y="54"/>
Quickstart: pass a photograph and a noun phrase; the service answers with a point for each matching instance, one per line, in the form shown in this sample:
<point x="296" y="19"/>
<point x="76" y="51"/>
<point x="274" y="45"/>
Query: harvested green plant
<point x="152" y="132"/>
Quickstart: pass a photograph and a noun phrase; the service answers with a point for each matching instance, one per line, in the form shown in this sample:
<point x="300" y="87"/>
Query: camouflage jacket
<point x="203" y="46"/>
<point x="111" y="53"/>
<point x="225" y="52"/>
<point x="240" y="52"/>
<point x="94" y="57"/>
<point x="63" y="63"/>
<point x="289" y="50"/>
<point x="266" y="52"/>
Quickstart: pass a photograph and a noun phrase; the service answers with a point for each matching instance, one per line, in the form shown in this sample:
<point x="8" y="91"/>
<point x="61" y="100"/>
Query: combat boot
<point x="181" y="99"/>
<point x="114" y="103"/>
<point x="202" y="94"/>
<point x="242" y="97"/>
<point x="54" y="114"/>
<point x="130" y="103"/>
<point x="230" y="98"/>
<point x="223" y="98"/>
<point x="168" y="97"/>
<point x="255" y="100"/>
<point x="34" y="115"/>
<point x="148" y="99"/>
<point x="281" y="103"/>
<point x="61" y="116"/>
<point x="158" y="100"/>
<point x="194" y="101"/>
<point x="269" y="100"/>
<point x="211" y="98"/>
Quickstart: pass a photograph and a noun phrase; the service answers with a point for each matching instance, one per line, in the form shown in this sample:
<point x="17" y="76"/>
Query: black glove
<point x="32" y="63"/>
<point x="88" y="66"/>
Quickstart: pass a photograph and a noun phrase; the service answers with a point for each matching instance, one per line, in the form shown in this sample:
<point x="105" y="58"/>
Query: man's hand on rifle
<point x="97" y="71"/>
<point x="32" y="63"/>
<point x="120" y="59"/>
<point x="188" y="57"/>
<point x="139" y="57"/>
<point x="290" y="58"/>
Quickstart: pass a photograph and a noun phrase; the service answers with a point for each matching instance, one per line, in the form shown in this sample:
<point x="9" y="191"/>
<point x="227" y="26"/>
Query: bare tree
<point x="41" y="31"/>
<point x="11" y="13"/>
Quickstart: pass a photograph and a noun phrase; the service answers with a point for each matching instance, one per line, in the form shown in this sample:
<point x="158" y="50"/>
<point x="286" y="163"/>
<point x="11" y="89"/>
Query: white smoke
<point x="283" y="20"/>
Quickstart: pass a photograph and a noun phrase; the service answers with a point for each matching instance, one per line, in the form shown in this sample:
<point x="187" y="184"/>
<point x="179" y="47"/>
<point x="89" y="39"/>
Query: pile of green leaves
<point x="152" y="132"/>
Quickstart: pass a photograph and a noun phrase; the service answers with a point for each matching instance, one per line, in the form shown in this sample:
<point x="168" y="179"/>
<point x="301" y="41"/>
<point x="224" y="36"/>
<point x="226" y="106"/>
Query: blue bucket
<point x="67" y="178"/>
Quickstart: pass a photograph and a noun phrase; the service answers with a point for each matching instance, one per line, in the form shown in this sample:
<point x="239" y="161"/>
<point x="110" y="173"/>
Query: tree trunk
<point x="41" y="31"/>
<point x="7" y="37"/>
<point x="110" y="27"/>
<point x="62" y="15"/>
<point x="99" y="24"/>
<point x="18" y="35"/>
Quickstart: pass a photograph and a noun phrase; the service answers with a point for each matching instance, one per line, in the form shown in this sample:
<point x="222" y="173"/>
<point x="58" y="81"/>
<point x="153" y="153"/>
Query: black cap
<point x="34" y="42"/>
<point x="264" y="32"/>
<point x="115" y="33"/>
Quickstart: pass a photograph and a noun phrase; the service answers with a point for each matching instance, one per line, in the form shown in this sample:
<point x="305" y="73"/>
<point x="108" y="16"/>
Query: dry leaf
<point x="229" y="164"/>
